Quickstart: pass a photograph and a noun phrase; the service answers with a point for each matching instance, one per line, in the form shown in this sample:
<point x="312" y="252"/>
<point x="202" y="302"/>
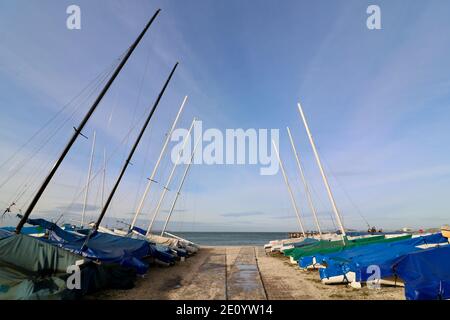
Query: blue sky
<point x="377" y="103"/>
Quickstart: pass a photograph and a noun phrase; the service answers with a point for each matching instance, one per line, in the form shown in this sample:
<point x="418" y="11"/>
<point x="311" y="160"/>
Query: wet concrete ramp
<point x="243" y="276"/>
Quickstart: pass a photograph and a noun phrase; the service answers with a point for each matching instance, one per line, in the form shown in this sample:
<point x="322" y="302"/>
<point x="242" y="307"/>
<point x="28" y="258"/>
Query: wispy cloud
<point x="382" y="124"/>
<point x="242" y="214"/>
<point x="78" y="207"/>
<point x="174" y="211"/>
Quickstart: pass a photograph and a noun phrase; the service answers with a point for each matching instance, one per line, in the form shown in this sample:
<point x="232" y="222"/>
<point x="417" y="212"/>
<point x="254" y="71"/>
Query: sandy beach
<point x="240" y="273"/>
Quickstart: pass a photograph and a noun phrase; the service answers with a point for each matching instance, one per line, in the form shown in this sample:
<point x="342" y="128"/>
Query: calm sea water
<point x="231" y="238"/>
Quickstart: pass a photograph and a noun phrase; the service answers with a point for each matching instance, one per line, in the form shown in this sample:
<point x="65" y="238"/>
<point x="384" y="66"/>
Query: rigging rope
<point x="50" y="136"/>
<point x="108" y="159"/>
<point x="357" y="209"/>
<point x="54" y="117"/>
<point x="147" y="149"/>
<point x="321" y="203"/>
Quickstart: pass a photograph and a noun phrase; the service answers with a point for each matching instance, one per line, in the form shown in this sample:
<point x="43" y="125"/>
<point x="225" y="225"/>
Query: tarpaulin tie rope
<point x="345" y="274"/>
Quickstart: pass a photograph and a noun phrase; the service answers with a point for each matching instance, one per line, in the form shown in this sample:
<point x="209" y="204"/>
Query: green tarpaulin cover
<point x="330" y="246"/>
<point x="32" y="269"/>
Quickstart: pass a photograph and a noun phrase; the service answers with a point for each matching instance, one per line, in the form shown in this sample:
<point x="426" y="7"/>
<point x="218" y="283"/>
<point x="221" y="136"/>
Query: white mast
<point x="88" y="180"/>
<point x="179" y="188"/>
<point x="305" y="184"/>
<point x="294" y="204"/>
<point x="161" y="155"/>
<point x="103" y="177"/>
<point x="163" y="194"/>
<point x="324" y="177"/>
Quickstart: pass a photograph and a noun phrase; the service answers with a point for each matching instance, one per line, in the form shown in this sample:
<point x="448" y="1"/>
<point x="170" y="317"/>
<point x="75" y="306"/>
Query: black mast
<point x="80" y="127"/>
<point x="127" y="162"/>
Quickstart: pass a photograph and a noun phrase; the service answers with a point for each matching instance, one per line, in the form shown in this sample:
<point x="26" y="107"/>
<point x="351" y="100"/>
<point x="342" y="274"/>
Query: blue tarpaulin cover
<point x="306" y="261"/>
<point x="141" y="231"/>
<point x="104" y="247"/>
<point x="383" y="255"/>
<point x="426" y="274"/>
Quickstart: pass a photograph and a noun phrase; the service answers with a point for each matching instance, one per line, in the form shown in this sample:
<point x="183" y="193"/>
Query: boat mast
<point x="186" y="171"/>
<point x="161" y="155"/>
<point x="324" y="177"/>
<point x="166" y="187"/>
<point x="291" y="194"/>
<point x="127" y="162"/>
<point x="80" y="127"/>
<point x="103" y="178"/>
<point x="305" y="184"/>
<point x="88" y="182"/>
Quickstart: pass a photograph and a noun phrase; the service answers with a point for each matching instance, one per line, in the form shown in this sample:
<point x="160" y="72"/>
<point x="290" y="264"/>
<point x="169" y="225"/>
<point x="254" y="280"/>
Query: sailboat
<point x="180" y="248"/>
<point x="425" y="274"/>
<point x="170" y="246"/>
<point x="352" y="265"/>
<point x="190" y="246"/>
<point x="106" y="246"/>
<point x="302" y="252"/>
<point x="175" y="243"/>
<point x="282" y="246"/>
<point x="291" y="194"/>
<point x="417" y="262"/>
<point x="31" y="258"/>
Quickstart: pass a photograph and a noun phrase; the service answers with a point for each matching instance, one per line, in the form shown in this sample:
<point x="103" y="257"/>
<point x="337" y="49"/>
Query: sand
<point x="241" y="273"/>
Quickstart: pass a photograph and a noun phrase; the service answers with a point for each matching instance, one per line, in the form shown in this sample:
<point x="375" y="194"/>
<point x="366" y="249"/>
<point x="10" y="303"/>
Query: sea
<point x="231" y="238"/>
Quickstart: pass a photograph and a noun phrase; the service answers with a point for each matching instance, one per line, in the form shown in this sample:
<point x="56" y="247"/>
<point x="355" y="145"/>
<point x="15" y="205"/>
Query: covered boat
<point x="315" y="259"/>
<point x="30" y="266"/>
<point x="176" y="244"/>
<point x="299" y="244"/>
<point x="426" y="274"/>
<point x="32" y="269"/>
<point x="328" y="246"/>
<point x="104" y="247"/>
<point x="353" y="265"/>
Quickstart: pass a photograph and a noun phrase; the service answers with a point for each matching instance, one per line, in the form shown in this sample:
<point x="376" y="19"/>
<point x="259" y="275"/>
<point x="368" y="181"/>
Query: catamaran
<point x="420" y="262"/>
<point x="94" y="242"/>
<point x="24" y="255"/>
<point x="352" y="265"/>
<point x="302" y="252"/>
<point x="425" y="274"/>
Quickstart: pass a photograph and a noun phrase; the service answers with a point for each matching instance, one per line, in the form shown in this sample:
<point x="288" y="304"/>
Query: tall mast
<point x="103" y="178"/>
<point x="80" y="127"/>
<point x="291" y="194"/>
<point x="127" y="162"/>
<point x="166" y="187"/>
<point x="305" y="184"/>
<point x="179" y="188"/>
<point x="88" y="182"/>
<point x="161" y="155"/>
<point x="322" y="172"/>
